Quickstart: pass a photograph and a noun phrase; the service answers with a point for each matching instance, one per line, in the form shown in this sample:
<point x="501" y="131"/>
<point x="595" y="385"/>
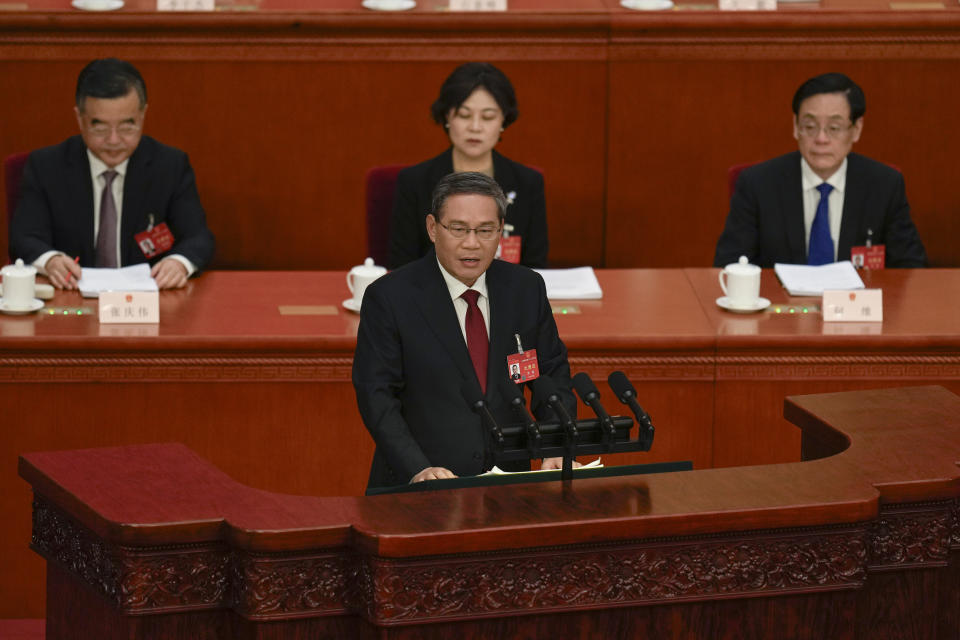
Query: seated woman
<point x="476" y="104"/>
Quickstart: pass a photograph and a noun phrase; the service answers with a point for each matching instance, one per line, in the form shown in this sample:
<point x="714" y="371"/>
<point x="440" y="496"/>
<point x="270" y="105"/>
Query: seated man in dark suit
<point x="811" y="206"/>
<point x="86" y="201"/>
<point x="424" y="331"/>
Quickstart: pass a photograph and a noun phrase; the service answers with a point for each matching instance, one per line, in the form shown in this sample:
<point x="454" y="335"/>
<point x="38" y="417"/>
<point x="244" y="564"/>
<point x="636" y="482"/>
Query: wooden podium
<point x="859" y="540"/>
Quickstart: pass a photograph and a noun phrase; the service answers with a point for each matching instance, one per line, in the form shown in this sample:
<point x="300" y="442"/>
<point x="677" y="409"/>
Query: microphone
<point x="591" y="397"/>
<point x="474" y="397"/>
<point x="514" y="396"/>
<point x="628" y="396"/>
<point x="546" y="389"/>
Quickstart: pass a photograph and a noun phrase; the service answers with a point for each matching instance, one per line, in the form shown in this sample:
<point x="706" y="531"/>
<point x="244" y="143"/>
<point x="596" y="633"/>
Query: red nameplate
<point x="510" y="249"/>
<point x="873" y="257"/>
<point x="522" y="367"/>
<point x="155" y="241"/>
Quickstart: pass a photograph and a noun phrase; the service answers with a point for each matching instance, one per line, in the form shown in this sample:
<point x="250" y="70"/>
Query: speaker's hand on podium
<point x="556" y="463"/>
<point x="433" y="473"/>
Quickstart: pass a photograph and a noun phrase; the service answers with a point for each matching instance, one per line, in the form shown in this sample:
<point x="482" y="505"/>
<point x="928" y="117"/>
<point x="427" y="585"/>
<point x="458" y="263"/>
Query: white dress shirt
<point x="456" y="289"/>
<point x="811" y="198"/>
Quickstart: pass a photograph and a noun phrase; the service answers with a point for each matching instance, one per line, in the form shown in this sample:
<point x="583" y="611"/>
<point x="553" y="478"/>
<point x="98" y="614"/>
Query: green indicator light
<point x="776" y="309"/>
<point x="564" y="312"/>
<point x="804" y="309"/>
<point x="79" y="312"/>
<point x="792" y="310"/>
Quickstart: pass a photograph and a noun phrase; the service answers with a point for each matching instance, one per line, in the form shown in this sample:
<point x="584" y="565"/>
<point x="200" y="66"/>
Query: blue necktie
<point x="820" y="250"/>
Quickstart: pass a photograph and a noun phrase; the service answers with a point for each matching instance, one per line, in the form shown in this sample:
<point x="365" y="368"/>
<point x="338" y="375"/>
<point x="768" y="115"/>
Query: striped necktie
<point x="107" y="235"/>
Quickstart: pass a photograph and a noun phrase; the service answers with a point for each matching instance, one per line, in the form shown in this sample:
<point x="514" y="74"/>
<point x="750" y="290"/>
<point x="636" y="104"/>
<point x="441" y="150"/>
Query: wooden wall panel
<point x="281" y="149"/>
<point x="677" y="125"/>
<point x="634" y="118"/>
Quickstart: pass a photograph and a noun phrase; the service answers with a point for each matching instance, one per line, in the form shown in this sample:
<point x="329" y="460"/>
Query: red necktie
<point x="477" y="342"/>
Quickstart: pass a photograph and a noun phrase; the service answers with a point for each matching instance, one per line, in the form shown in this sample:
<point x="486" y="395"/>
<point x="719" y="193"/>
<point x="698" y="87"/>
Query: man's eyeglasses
<point x="124" y="129"/>
<point x="833" y="130"/>
<point x="484" y="232"/>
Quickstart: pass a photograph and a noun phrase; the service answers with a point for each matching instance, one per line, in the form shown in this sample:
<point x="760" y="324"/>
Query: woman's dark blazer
<point x="412" y="199"/>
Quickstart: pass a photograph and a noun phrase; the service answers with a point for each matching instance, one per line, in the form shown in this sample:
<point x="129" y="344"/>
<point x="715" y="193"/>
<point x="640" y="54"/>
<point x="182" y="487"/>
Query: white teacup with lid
<point x="19" y="282"/>
<point x="359" y="278"/>
<point x="740" y="282"/>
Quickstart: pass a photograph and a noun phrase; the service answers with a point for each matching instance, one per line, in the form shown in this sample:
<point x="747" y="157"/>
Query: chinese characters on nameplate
<point x="865" y="305"/>
<point x="478" y="5"/>
<point x="129" y="307"/>
<point x="747" y="5"/>
<point x="185" y="5"/>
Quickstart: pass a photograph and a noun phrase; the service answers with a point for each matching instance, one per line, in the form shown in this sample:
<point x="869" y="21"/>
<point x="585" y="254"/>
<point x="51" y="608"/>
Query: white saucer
<point x="350" y="305"/>
<point x="647" y="5"/>
<point x="389" y="5"/>
<point x="97" y="5"/>
<point x="35" y="305"/>
<point x="759" y="305"/>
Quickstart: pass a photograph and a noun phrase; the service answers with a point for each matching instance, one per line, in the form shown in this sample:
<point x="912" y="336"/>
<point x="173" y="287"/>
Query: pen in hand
<point x="70" y="273"/>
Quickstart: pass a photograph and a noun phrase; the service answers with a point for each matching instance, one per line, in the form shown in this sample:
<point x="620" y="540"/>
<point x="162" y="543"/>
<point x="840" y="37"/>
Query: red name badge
<point x="155" y="241"/>
<point x="872" y="257"/>
<point x="510" y="249"/>
<point x="522" y="367"/>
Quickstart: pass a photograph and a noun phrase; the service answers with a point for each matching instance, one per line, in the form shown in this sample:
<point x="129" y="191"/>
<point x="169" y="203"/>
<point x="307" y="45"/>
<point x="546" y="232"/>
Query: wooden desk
<point x="864" y="543"/>
<point x="232" y="378"/>
<point x="252" y="390"/>
<point x="764" y="357"/>
<point x="634" y="117"/>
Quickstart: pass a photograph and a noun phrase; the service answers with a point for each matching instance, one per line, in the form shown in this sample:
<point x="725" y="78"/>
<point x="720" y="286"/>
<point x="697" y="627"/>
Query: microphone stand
<point x="514" y="395"/>
<point x="494" y="435"/>
<point x="628" y="395"/>
<point x="591" y="397"/>
<point x="547" y="389"/>
<point x="564" y="437"/>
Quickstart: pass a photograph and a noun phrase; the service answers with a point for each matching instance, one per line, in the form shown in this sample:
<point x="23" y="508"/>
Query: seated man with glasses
<point x="110" y="197"/>
<point x="445" y="320"/>
<point x="811" y="206"/>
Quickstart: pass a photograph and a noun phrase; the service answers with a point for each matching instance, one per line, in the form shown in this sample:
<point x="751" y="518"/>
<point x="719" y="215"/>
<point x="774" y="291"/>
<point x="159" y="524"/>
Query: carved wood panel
<point x="389" y="591"/>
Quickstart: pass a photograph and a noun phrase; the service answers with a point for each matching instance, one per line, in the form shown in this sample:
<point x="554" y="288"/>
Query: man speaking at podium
<point x="448" y="318"/>
<point x="110" y="197"/>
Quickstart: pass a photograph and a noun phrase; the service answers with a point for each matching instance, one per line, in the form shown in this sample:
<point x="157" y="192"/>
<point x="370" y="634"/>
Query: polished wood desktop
<point x="634" y="117"/>
<point x="763" y="357"/>
<point x="256" y="366"/>
<point x="861" y="540"/>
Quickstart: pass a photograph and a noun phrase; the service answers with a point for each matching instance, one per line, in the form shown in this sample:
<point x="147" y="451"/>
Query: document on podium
<point x="571" y="284"/>
<point x="804" y="280"/>
<point x="133" y="278"/>
<point x="497" y="471"/>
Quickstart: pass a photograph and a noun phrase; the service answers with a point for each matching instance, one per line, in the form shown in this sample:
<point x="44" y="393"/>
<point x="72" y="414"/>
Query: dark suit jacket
<point x="413" y="200"/>
<point x="765" y="222"/>
<point x="411" y="362"/>
<point x="55" y="211"/>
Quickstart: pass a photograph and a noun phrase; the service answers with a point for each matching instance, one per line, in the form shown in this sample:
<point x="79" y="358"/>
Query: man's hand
<point x="556" y="463"/>
<point x="169" y="274"/>
<point x="432" y="473"/>
<point x="63" y="272"/>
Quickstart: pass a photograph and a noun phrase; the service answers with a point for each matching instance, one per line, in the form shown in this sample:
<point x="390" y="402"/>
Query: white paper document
<point x="804" y="280"/>
<point x="133" y="278"/>
<point x="571" y="284"/>
<point x="497" y="471"/>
